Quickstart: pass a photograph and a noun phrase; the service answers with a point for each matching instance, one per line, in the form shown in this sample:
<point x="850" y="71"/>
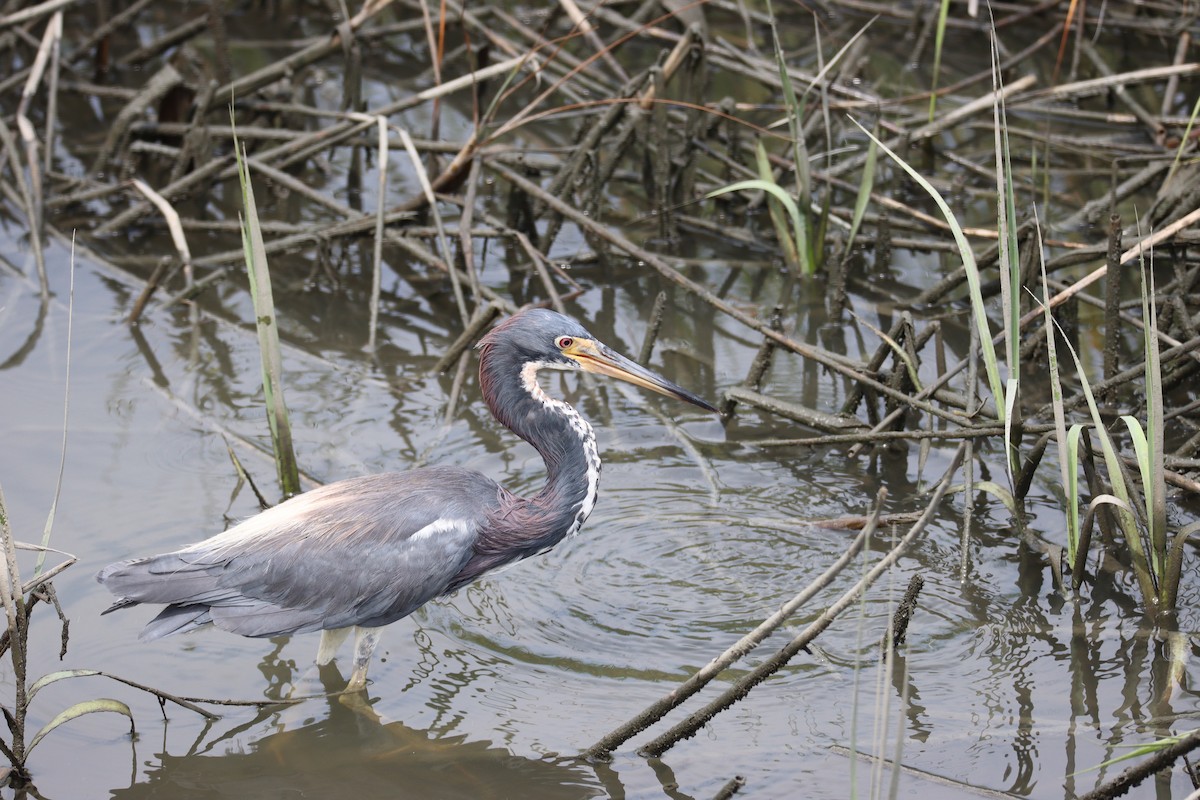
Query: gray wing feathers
<point x="161" y="579"/>
<point x="175" y="619"/>
<point x="366" y="551"/>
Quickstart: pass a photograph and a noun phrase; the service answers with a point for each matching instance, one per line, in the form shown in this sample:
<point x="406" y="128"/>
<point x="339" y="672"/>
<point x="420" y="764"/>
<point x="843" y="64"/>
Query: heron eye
<point x="564" y="342"/>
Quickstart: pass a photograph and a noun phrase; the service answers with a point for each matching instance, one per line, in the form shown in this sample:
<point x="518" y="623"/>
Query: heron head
<point x="552" y="341"/>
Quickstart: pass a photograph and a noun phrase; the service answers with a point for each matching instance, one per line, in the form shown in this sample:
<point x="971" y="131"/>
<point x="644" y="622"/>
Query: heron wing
<point x="365" y="551"/>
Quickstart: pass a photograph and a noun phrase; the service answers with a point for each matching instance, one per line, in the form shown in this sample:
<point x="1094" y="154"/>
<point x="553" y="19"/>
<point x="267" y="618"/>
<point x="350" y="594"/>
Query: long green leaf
<point x="1071" y="486"/>
<point x="795" y="119"/>
<point x="992" y="488"/>
<point x="770" y="188"/>
<point x="865" y="187"/>
<point x="795" y="113"/>
<point x="1067" y="442"/>
<point x="1006" y="213"/>
<point x="939" y="38"/>
<point x="97" y="706"/>
<point x="1010" y="260"/>
<point x="1154" y="480"/>
<point x="973" y="281"/>
<point x="1136" y="751"/>
<point x="1125" y="518"/>
<point x="1143" y="452"/>
<point x="62" y="454"/>
<point x="1141" y="448"/>
<point x="268" y="331"/>
<point x="1183" y="142"/>
<point x="786" y="238"/>
<point x="755" y="184"/>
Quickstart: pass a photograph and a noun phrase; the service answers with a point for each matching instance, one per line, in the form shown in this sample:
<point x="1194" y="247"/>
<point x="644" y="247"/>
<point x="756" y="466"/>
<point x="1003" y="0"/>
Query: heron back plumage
<point x="364" y="551"/>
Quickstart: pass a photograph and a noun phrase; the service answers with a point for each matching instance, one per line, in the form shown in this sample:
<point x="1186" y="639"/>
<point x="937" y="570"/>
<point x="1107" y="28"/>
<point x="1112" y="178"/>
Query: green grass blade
<point x="777" y="193"/>
<point x="939" y="39"/>
<point x="822" y="224"/>
<point x="769" y="187"/>
<point x="795" y="119"/>
<point x="1066" y="440"/>
<point x="1141" y="448"/>
<point x="1154" y="481"/>
<point x="991" y="487"/>
<point x="1071" y="486"/>
<point x="973" y="281"/>
<point x="1143" y="453"/>
<point x="865" y="187"/>
<point x="62" y="454"/>
<point x="1010" y="261"/>
<point x="795" y="115"/>
<point x="787" y="239"/>
<point x="1183" y="143"/>
<point x="819" y="236"/>
<point x="1137" y="751"/>
<point x="1125" y="518"/>
<point x="268" y="332"/>
<point x="1012" y="396"/>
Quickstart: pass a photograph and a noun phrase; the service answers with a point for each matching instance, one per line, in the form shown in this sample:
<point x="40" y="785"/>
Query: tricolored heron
<point x="362" y="553"/>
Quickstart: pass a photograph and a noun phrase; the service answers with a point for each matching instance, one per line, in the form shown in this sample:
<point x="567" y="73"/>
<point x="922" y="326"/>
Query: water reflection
<point x="346" y="747"/>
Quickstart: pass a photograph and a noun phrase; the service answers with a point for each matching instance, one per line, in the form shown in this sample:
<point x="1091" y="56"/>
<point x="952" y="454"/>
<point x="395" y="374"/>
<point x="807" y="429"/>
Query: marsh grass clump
<point x="20" y="596"/>
<point x="19" y="599"/>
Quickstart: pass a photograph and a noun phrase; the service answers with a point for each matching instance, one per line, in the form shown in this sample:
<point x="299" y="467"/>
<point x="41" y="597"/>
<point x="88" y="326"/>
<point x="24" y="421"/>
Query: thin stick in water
<point x="658" y="709"/>
<point x="381" y="189"/>
<point x="656" y="319"/>
<point x="696" y="721"/>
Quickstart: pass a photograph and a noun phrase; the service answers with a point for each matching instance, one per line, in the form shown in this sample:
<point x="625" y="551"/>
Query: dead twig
<point x="657" y="710"/>
<point x="693" y="723"/>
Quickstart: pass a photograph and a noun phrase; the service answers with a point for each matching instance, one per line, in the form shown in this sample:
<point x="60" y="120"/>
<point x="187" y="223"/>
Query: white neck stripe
<point x="587" y="437"/>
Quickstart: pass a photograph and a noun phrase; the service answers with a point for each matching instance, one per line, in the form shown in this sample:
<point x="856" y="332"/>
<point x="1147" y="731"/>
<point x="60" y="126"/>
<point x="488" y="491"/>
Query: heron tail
<point x="176" y="619"/>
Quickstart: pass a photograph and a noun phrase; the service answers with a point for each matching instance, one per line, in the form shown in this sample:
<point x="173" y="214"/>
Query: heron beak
<point x="594" y="357"/>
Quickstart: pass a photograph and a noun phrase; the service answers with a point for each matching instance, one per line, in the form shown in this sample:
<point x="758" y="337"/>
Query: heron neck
<point x="562" y="437"/>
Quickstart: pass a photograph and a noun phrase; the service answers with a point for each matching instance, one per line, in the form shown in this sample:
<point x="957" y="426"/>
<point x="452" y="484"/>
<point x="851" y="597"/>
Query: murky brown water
<point x="493" y="692"/>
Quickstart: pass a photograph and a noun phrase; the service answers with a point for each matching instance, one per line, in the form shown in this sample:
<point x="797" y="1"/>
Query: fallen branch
<point x="657" y="710"/>
<point x="696" y="721"/>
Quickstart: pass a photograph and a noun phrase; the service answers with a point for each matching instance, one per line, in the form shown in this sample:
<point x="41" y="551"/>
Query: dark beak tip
<point x="695" y="400"/>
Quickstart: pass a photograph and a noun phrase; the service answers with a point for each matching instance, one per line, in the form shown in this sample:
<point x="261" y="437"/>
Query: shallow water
<point x="493" y="692"/>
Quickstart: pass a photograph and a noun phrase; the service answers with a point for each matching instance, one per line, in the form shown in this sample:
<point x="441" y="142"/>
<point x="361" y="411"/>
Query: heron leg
<point x="365" y="640"/>
<point x="318" y="680"/>
<point x="330" y="642"/>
